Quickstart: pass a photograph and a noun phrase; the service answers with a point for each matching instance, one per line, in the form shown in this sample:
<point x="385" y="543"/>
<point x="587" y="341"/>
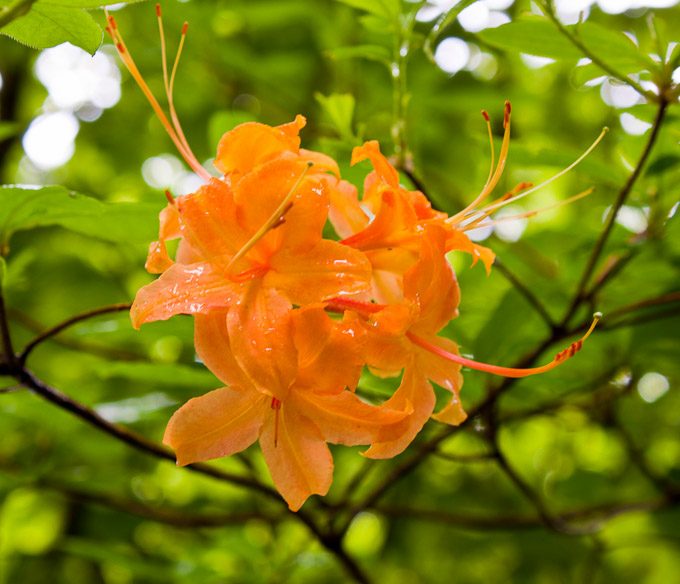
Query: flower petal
<point x="299" y="460"/>
<point x="192" y="289"/>
<point x="217" y="424"/>
<point x="211" y="339"/>
<point x="250" y="145"/>
<point x="330" y="354"/>
<point x="414" y="395"/>
<point x="261" y="338"/>
<point x="328" y="269"/>
<point x="345" y="213"/>
<point x="431" y="283"/>
<point x="158" y="260"/>
<point x="344" y="419"/>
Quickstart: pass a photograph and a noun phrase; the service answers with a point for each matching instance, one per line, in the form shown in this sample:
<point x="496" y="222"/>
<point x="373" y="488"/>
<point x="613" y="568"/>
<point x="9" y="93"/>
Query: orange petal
<point x="391" y="226"/>
<point x="384" y="170"/>
<point x="345" y="213"/>
<point x="209" y="220"/>
<point x="415" y="394"/>
<point x="330" y="354"/>
<point x="250" y="145"/>
<point x="321" y="163"/>
<point x="442" y="371"/>
<point x="261" y="338"/>
<point x="217" y="424"/>
<point x="211" y="339"/>
<point x="192" y="289"/>
<point x="328" y="269"/>
<point x="299" y="460"/>
<point x="344" y="419"/>
<point x="158" y="260"/>
<point x="422" y="206"/>
<point x="260" y="194"/>
<point x="431" y="284"/>
<point x="459" y="241"/>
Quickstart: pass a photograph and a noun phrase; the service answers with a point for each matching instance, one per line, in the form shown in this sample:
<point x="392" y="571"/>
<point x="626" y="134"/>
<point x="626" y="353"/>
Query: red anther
<point x="108" y="29"/>
<point x="185" y="28"/>
<point x="120" y="47"/>
<point x="579" y="344"/>
<point x="158" y="10"/>
<point x="506" y="119"/>
<point x="112" y="22"/>
<point x="508" y="107"/>
<point x="486" y="115"/>
<point x="169" y="197"/>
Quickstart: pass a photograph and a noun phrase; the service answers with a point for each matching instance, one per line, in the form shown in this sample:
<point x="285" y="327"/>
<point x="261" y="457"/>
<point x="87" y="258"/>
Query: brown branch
<point x="581" y="293"/>
<point x="131" y="438"/>
<point x="657" y="300"/>
<point x="67" y="323"/>
<point x="76" y="344"/>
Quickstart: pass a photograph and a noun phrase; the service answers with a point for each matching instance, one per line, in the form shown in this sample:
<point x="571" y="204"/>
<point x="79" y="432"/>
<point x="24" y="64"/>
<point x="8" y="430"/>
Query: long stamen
<point x="495" y="206"/>
<point x="518" y="189"/>
<point x="493" y="160"/>
<point x="474" y="224"/>
<point x="125" y="56"/>
<point x="270" y="223"/>
<point x="493" y="180"/>
<point x="560" y="358"/>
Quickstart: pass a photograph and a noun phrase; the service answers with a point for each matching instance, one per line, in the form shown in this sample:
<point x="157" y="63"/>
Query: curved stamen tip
<point x="169" y="197"/>
<point x="486" y="115"/>
<point x="158" y="10"/>
<point x="508" y="110"/>
<point x="560" y="358"/>
<point x="185" y="28"/>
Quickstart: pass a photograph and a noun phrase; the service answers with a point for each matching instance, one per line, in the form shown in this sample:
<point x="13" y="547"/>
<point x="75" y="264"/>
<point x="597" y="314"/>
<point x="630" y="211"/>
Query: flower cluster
<point x="287" y="318"/>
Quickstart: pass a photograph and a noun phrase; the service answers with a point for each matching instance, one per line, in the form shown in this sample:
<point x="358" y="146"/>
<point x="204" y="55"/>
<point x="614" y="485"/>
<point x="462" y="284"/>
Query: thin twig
<point x="620" y="200"/>
<point x="67" y="323"/>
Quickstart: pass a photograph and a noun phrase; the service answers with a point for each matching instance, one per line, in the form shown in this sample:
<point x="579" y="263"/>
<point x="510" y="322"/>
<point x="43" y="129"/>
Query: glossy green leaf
<point x="25" y="208"/>
<point x="48" y="24"/>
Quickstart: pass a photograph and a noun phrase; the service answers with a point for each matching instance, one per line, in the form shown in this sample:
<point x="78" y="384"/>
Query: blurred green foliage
<point x="596" y="439"/>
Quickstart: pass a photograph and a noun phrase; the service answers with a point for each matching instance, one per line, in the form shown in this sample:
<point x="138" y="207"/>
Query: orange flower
<point x="308" y="407"/>
<point x="431" y="297"/>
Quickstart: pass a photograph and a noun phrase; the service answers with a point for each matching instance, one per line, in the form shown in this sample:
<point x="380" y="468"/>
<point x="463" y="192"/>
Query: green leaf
<point x="25" y="208"/>
<point x="540" y="37"/>
<point x="662" y="164"/>
<point x="372" y="52"/>
<point x="615" y="48"/>
<point x="384" y="8"/>
<point x="535" y="37"/>
<point x="49" y="24"/>
<point x="339" y="108"/>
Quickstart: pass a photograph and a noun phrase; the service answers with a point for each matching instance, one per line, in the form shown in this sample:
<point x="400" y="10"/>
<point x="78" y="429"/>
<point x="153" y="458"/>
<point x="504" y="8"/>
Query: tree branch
<point x="67" y="323"/>
<point x="580" y="294"/>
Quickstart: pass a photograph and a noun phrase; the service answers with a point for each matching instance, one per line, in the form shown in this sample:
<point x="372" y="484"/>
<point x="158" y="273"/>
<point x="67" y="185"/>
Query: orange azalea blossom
<point x="254" y="270"/>
<point x="292" y="426"/>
